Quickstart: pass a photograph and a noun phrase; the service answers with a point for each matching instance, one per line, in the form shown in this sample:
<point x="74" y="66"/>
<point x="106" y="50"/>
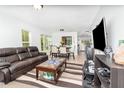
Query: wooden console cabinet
<point x="116" y="79"/>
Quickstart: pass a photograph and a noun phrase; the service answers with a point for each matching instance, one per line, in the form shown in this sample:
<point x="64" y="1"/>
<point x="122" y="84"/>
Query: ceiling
<point x="55" y="17"/>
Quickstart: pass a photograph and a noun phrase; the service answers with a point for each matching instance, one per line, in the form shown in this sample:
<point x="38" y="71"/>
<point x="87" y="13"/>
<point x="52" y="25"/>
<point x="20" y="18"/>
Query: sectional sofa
<point x="15" y="62"/>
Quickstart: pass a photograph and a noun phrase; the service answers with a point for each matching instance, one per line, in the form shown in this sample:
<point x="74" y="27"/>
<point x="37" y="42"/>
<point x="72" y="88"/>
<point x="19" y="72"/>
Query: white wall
<point x="114" y="16"/>
<point x="56" y="38"/>
<point x="10" y="32"/>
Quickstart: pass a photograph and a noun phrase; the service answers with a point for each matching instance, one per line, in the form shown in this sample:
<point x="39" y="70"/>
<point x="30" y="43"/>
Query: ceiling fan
<point x="38" y="7"/>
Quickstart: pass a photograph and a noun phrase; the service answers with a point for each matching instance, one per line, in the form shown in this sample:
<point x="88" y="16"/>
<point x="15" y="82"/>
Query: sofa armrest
<point x="4" y="72"/>
<point x="5" y="75"/>
<point x="42" y="53"/>
<point x="4" y="65"/>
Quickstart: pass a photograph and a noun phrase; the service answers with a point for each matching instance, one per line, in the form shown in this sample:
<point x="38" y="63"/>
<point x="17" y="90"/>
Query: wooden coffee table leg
<point x="37" y="73"/>
<point x="55" y="78"/>
<point x="65" y="64"/>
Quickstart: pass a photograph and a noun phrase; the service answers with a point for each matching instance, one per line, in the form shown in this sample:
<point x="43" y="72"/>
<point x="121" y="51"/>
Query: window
<point x="42" y="44"/>
<point x="25" y="38"/>
<point x="45" y="42"/>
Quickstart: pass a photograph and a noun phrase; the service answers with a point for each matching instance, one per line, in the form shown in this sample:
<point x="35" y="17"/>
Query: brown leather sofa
<point x="15" y="62"/>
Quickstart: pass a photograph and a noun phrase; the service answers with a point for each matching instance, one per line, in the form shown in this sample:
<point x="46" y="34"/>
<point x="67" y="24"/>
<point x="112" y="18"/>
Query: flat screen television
<point x="99" y="41"/>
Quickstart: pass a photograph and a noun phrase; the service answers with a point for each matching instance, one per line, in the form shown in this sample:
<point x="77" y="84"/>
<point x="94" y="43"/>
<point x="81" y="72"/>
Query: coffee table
<point x="56" y="66"/>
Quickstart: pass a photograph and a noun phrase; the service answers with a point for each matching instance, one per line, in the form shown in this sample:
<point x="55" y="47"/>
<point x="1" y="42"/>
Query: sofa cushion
<point x="8" y="55"/>
<point x="7" y="51"/>
<point x="12" y="58"/>
<point x="44" y="57"/>
<point x="34" y="54"/>
<point x="33" y="51"/>
<point x="32" y="48"/>
<point x="34" y="59"/>
<point x="2" y="59"/>
<point x="23" y="56"/>
<point x="19" y="66"/>
<point x="21" y="50"/>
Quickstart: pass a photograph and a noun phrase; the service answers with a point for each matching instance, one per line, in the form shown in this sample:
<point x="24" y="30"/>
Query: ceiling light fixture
<point x="38" y="7"/>
<point x="41" y="6"/>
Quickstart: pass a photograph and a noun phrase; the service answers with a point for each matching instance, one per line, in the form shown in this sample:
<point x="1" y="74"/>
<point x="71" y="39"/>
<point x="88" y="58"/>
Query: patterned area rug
<point x="71" y="78"/>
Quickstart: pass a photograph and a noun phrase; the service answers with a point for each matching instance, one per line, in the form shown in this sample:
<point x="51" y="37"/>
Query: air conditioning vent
<point x="61" y="29"/>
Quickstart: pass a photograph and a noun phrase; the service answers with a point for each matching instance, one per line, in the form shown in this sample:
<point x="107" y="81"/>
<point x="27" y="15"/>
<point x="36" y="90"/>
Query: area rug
<point x="71" y="78"/>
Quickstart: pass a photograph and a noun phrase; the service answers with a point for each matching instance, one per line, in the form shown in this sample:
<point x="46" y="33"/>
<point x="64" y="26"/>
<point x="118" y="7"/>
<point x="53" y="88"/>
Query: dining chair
<point x="71" y="52"/>
<point x="54" y="51"/>
<point x="63" y="52"/>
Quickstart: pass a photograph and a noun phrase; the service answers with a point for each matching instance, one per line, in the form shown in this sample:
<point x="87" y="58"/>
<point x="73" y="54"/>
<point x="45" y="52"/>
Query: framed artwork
<point x="121" y="42"/>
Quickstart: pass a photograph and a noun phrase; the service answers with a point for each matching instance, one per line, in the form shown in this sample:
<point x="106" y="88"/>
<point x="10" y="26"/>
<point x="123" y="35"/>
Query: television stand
<point x="116" y="78"/>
